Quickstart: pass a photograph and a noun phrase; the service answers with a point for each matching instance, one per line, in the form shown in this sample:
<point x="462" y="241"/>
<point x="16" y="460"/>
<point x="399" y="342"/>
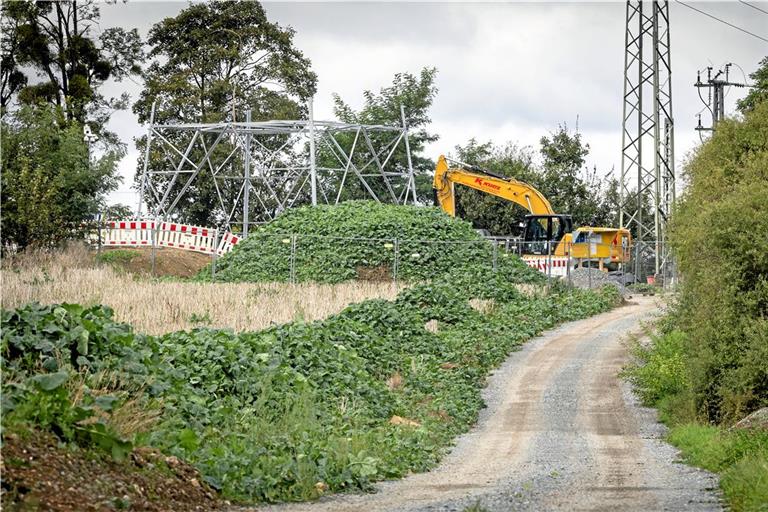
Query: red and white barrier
<point x="140" y="233"/>
<point x="555" y="266"/>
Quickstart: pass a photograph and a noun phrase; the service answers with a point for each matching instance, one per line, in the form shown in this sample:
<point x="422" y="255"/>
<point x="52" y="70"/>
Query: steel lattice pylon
<point x="246" y="160"/>
<point x="647" y="162"/>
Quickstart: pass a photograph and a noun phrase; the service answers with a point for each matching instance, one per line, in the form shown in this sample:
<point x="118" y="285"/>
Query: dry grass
<point x="158" y="307"/>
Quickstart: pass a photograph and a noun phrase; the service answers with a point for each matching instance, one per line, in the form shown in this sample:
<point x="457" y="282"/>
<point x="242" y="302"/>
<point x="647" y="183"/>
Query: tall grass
<point x="156" y="307"/>
<point x="739" y="456"/>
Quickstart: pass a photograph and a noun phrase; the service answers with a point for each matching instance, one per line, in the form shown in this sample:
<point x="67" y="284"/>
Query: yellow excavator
<point x="547" y="234"/>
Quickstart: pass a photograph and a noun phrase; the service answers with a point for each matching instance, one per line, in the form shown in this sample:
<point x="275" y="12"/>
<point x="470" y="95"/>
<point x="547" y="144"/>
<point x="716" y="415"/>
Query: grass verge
<point x="738" y="456"/>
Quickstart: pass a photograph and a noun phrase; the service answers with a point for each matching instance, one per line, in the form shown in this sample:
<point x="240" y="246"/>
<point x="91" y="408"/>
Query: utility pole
<point x="648" y="162"/>
<point x="246" y="174"/>
<point x="715" y="86"/>
<point x="312" y="161"/>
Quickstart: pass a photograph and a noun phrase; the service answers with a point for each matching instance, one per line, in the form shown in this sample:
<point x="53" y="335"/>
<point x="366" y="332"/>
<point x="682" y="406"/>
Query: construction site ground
<point x="168" y="262"/>
<point x="562" y="431"/>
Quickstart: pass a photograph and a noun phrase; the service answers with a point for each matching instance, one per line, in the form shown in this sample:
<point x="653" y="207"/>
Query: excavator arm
<point x="509" y="189"/>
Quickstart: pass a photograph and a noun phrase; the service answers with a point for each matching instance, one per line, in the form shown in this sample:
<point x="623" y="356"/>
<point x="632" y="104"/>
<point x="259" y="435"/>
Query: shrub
<point x="662" y="370"/>
<point x="338" y="243"/>
<point x="717" y="235"/>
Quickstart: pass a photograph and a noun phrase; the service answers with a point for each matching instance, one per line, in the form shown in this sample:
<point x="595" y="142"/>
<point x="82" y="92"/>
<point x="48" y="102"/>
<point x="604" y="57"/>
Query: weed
<point x="117" y="257"/>
<point x="740" y="456"/>
<point x="204" y="319"/>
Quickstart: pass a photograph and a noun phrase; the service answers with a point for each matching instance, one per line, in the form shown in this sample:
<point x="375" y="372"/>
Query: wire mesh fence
<point x="295" y="257"/>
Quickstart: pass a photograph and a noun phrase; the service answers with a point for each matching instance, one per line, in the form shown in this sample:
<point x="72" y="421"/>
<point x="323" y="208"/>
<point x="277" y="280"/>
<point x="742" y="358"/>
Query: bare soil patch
<point x="39" y="473"/>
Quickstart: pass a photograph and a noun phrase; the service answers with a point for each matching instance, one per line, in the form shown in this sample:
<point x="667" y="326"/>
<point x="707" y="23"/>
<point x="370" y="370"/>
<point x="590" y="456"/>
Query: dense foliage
<point x="718" y="237"/>
<point x="210" y="63"/>
<point x="415" y="95"/>
<point x="374" y="392"/>
<point x="56" y="53"/>
<point x="285" y="413"/>
<point x="51" y="186"/>
<point x="706" y="369"/>
<point x="359" y="238"/>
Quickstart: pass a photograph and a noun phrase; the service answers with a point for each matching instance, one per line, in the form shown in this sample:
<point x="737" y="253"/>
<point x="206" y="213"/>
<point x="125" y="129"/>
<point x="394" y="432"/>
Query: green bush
<point x="662" y="370"/>
<point x="718" y="236"/>
<point x="338" y="243"/>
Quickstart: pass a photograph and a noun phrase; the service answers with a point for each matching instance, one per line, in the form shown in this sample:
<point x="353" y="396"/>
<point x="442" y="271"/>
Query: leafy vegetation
<point x="415" y="94"/>
<point x="338" y="243"/>
<point x="50" y="186"/>
<point x="706" y="370"/>
<point x="719" y="227"/>
<point x="210" y="63"/>
<point x="51" y="55"/>
<point x="294" y="411"/>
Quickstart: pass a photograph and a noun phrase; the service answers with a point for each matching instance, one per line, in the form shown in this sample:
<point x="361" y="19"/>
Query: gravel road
<point x="561" y="432"/>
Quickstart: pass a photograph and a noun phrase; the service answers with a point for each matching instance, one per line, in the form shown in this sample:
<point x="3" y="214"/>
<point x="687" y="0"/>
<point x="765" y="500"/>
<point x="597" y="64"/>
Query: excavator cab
<point x="542" y="231"/>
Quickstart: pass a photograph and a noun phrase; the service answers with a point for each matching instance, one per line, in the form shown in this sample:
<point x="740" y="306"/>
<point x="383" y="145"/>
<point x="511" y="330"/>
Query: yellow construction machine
<point x="547" y="234"/>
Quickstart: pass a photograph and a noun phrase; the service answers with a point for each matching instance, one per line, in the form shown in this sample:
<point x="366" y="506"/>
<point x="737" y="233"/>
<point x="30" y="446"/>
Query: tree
<point x="718" y="238"/>
<point x="50" y="185"/>
<point x="415" y="94"/>
<point x="562" y="178"/>
<point x="53" y="40"/>
<point x="484" y="210"/>
<point x="213" y="61"/>
<point x="759" y="92"/>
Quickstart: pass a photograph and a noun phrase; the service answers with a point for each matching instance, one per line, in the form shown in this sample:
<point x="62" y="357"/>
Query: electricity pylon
<point x="647" y="189"/>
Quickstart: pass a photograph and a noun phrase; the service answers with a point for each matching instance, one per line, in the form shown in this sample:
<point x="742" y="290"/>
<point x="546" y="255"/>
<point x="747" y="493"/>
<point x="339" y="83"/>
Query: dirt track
<point x="561" y="432"/>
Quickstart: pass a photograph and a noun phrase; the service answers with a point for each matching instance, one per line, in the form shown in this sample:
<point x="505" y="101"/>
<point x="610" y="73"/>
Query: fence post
<point x="495" y="255"/>
<point x="98" y="228"/>
<point x="397" y="260"/>
<point x="569" y="256"/>
<point x="293" y="258"/>
<point x="589" y="262"/>
<point x="215" y="254"/>
<point x="154" y="244"/>
<point x="549" y="260"/>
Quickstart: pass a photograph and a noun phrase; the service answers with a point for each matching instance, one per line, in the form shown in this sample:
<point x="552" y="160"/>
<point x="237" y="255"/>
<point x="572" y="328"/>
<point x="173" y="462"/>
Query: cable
<point x="744" y="75"/>
<point x="754" y="7"/>
<point x="723" y="21"/>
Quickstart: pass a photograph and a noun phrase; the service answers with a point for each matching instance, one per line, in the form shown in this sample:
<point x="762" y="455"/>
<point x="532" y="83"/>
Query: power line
<point x="723" y="21"/>
<point x="753" y="6"/>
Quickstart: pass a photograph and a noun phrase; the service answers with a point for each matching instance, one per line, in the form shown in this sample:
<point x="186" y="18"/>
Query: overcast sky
<point x="506" y="71"/>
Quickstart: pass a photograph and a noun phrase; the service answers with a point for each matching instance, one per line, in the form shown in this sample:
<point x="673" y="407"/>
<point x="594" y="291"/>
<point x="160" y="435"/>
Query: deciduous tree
<point x="211" y="62"/>
<point x="415" y="93"/>
<point x="51" y="186"/>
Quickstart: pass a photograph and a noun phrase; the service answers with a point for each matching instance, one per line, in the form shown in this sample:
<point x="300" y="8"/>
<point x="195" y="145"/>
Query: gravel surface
<point x="561" y="432"/>
<point x="594" y="278"/>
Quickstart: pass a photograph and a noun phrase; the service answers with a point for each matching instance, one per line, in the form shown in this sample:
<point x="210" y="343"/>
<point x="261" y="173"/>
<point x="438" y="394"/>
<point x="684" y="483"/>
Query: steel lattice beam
<point x="266" y="177"/>
<point x="647" y="163"/>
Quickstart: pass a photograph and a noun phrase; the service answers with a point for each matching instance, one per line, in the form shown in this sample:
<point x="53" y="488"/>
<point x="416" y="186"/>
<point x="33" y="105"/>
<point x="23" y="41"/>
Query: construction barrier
<point x="552" y="266"/>
<point x="141" y="233"/>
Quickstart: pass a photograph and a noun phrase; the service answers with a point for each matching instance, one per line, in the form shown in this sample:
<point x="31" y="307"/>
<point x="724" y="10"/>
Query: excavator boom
<point x="509" y="189"/>
<point x="546" y="232"/>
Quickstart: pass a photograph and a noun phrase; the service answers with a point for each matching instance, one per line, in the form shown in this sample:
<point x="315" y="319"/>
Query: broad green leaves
<point x="354" y="239"/>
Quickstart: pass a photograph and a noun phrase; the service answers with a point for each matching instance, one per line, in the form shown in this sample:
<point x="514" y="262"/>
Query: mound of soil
<point x="39" y="473"/>
<point x="354" y="240"/>
<point x="168" y="262"/>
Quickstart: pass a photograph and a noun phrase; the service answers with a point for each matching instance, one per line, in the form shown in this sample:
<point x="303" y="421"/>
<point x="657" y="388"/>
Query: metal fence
<point x="292" y="257"/>
<point x="302" y="257"/>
